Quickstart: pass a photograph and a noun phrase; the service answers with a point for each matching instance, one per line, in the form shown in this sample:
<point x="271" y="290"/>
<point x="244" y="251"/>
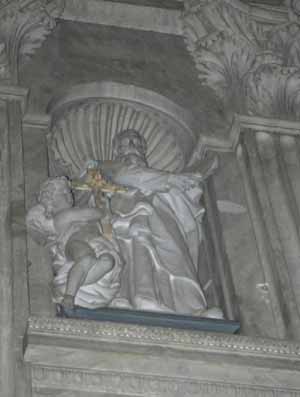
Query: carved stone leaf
<point x="285" y="41"/>
<point x="224" y="16"/>
<point x="275" y="91"/>
<point x="293" y="9"/>
<point x="227" y="73"/>
<point x="252" y="68"/>
<point x="240" y="25"/>
<point x="212" y="71"/>
<point x="224" y="41"/>
<point x="34" y="37"/>
<point x="24" y="28"/>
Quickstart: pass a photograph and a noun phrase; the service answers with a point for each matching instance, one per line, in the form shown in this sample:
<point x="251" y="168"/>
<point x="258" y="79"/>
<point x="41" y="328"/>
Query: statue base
<point x="150" y="319"/>
<point x="80" y="358"/>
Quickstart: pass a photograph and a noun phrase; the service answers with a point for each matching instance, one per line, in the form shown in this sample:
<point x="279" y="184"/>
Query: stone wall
<point x="235" y="67"/>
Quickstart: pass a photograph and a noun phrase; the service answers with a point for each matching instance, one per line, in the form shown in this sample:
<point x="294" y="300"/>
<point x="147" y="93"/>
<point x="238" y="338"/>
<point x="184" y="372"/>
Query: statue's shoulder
<point x="35" y="215"/>
<point x="38" y="226"/>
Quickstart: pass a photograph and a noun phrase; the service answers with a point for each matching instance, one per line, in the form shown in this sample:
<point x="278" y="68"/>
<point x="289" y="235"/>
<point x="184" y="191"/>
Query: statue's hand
<point x="90" y="164"/>
<point x="186" y="181"/>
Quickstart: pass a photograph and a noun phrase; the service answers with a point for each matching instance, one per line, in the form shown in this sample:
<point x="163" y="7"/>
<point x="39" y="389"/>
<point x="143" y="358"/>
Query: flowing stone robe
<point x="158" y="229"/>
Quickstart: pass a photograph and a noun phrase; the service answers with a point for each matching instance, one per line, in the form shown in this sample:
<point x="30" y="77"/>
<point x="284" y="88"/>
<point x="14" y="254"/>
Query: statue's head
<point x="130" y="147"/>
<point x="55" y="195"/>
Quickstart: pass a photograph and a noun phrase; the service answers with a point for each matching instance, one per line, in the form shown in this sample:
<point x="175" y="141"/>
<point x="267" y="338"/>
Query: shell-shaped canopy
<point x="88" y="117"/>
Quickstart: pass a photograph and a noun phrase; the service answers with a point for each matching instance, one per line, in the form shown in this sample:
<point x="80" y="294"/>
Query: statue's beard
<point x="133" y="159"/>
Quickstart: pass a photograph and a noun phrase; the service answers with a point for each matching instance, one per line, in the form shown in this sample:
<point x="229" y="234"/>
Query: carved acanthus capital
<point x="253" y="68"/>
<point x="24" y="25"/>
<point x="223" y="42"/>
<point x="293" y="9"/>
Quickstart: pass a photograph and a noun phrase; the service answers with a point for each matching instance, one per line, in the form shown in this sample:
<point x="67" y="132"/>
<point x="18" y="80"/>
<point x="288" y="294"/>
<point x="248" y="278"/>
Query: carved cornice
<point x="165" y="337"/>
<point x="120" y="14"/>
<point x="241" y="123"/>
<point x="252" y="67"/>
<point x="249" y="124"/>
<point x="24" y="25"/>
<point x="155" y="16"/>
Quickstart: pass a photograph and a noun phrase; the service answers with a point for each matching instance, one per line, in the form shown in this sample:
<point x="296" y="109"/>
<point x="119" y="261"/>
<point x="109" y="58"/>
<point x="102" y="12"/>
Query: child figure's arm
<point x="64" y="219"/>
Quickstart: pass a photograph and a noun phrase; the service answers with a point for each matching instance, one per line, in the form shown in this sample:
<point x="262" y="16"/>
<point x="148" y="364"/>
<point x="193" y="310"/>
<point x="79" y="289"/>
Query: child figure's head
<point x="55" y="195"/>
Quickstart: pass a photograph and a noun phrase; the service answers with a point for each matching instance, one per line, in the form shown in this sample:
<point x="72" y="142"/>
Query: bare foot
<point x="213" y="312"/>
<point x="68" y="302"/>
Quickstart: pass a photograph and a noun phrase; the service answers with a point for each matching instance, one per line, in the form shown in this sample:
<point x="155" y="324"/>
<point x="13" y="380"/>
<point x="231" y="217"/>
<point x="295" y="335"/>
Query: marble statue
<point x="156" y="223"/>
<point x="132" y="241"/>
<point x="85" y="261"/>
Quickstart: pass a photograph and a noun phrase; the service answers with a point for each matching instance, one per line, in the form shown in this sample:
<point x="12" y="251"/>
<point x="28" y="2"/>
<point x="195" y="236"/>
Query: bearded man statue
<point x="156" y="222"/>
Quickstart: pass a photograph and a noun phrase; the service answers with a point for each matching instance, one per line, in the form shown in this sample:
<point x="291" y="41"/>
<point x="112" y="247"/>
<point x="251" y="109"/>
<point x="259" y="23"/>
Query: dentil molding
<point x="167" y="337"/>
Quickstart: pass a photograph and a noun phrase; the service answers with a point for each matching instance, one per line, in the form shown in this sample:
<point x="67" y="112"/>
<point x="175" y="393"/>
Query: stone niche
<point x="85" y="121"/>
<point x="238" y="279"/>
<point x="73" y="357"/>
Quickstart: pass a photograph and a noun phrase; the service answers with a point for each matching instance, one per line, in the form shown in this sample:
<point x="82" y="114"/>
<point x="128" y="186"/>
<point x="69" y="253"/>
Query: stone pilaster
<point x="23" y="27"/>
<point x="7" y="352"/>
<point x="268" y="159"/>
<point x="267" y="152"/>
<point x="13" y="241"/>
<point x="253" y="68"/>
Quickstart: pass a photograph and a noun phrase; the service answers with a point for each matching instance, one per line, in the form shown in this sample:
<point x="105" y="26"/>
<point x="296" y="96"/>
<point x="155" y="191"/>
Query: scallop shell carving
<point x="85" y="131"/>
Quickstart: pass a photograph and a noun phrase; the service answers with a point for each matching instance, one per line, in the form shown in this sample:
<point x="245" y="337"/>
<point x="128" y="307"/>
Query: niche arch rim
<point x="86" y="117"/>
